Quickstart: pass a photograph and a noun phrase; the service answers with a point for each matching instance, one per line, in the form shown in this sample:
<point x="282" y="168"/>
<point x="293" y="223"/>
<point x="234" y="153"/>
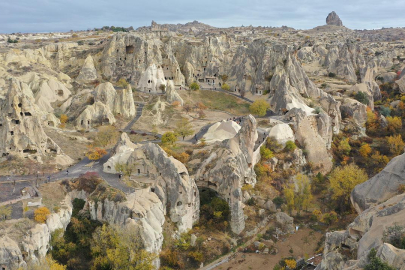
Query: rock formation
<point x="168" y="177"/>
<point x="333" y="19"/>
<point x="88" y="73"/>
<point x="381" y="187"/>
<point x="230" y="167"/>
<point x="21" y="125"/>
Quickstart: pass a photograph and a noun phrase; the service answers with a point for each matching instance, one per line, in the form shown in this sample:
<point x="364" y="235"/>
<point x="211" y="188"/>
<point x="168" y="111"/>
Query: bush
<point x="361" y="97"/>
<point x="375" y="263"/>
<point x="266" y="153"/>
<point x="332" y="75"/>
<point x="290" y="146"/>
<point x="80" y="42"/>
<point x="226" y="87"/>
<point x="194" y="86"/>
<point x="278" y="201"/>
<point x="41" y="214"/>
<point x="386" y="111"/>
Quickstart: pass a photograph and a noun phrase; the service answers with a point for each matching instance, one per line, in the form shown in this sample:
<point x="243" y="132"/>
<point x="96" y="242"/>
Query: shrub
<point x="386" y="111"/>
<point x="266" y="153"/>
<point x="332" y="75"/>
<point x="80" y="42"/>
<point x="41" y="214"/>
<point x="375" y="263"/>
<point x="290" y="146"/>
<point x="278" y="201"/>
<point x="361" y="97"/>
<point x="317" y="110"/>
<point x="122" y="83"/>
<point x="226" y="87"/>
<point x="194" y="86"/>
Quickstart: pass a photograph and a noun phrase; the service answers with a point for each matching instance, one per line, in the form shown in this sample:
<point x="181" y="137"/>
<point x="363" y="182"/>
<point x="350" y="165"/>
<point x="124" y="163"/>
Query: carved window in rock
<point x="179" y="203"/>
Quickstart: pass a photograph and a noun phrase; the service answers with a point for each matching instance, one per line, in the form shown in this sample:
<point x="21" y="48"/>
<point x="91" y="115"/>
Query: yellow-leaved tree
<point x="343" y="180"/>
<point x="365" y="150"/>
<point x="41" y="214"/>
<point x="95" y="153"/>
<point x="259" y="107"/>
<point x="396" y="144"/>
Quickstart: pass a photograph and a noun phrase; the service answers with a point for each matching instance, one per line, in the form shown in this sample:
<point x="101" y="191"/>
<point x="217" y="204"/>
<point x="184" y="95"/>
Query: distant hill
<point x="195" y="26"/>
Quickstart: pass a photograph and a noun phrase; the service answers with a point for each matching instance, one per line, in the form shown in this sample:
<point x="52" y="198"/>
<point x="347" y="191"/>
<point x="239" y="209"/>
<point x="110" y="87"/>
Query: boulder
<point x="282" y="133"/>
<point x="220" y="131"/>
<point x="285" y="222"/>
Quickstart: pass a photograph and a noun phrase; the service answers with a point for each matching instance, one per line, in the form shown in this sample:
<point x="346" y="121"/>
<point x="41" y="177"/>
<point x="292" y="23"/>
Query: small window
<point x="179" y="203"/>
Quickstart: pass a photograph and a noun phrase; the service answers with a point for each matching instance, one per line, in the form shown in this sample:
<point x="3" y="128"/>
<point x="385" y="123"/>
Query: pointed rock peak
<point x="333" y="19"/>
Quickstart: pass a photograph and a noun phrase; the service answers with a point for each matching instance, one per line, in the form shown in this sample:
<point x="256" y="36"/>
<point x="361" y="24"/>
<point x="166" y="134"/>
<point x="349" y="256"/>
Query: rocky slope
<point x="380" y="211"/>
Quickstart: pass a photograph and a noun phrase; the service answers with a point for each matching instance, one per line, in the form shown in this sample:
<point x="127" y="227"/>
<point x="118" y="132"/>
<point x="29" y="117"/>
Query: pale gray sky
<point x="65" y="15"/>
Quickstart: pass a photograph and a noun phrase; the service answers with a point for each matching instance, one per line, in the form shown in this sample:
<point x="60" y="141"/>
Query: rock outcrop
<point x="88" y="73"/>
<point x="21" y="125"/>
<point x="333" y="19"/>
<point x="167" y="176"/>
<point x="120" y="101"/>
<point x="381" y="187"/>
<point x="230" y="167"/>
<point x="171" y="93"/>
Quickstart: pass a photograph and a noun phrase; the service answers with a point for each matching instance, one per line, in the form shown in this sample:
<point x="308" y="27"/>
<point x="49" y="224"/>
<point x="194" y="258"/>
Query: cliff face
<point x="34" y="244"/>
<point x="231" y="166"/>
<point x="380" y="209"/>
<point x="21" y="125"/>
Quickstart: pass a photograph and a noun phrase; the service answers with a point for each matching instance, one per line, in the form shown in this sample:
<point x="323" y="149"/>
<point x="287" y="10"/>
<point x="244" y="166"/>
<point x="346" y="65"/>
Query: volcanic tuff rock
<point x="230" y="167"/>
<point x="35" y="243"/>
<point x="333" y="19"/>
<point x="88" y="73"/>
<point x="363" y="234"/>
<point x="21" y="125"/>
<point x="142" y="209"/>
<point x="171" y="93"/>
<point x="168" y="177"/>
<point x="120" y="101"/>
<point x="381" y="187"/>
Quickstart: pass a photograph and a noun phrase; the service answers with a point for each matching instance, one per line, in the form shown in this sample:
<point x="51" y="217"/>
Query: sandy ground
<point x="303" y="243"/>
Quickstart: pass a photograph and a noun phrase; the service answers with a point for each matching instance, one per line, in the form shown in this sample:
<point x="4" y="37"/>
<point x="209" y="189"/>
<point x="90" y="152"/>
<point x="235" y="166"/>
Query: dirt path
<point x="303" y="244"/>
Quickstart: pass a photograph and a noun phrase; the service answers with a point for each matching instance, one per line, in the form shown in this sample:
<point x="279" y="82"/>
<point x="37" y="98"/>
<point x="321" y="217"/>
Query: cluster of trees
<point x="88" y="244"/>
<point x="214" y="211"/>
<point x="183" y="129"/>
<point x="298" y="194"/>
<point x="9" y="40"/>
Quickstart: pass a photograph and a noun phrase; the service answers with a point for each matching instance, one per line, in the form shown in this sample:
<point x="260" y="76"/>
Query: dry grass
<point x="52" y="194"/>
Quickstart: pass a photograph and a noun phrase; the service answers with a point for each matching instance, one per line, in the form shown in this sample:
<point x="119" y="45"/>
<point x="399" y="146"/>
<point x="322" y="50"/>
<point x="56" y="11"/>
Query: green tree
<point x="375" y="263"/>
<point x="184" y="128"/>
<point x="169" y="138"/>
<point x="343" y="180"/>
<point x="194" y="86"/>
<point x="344" y="147"/>
<point x="259" y="107"/>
